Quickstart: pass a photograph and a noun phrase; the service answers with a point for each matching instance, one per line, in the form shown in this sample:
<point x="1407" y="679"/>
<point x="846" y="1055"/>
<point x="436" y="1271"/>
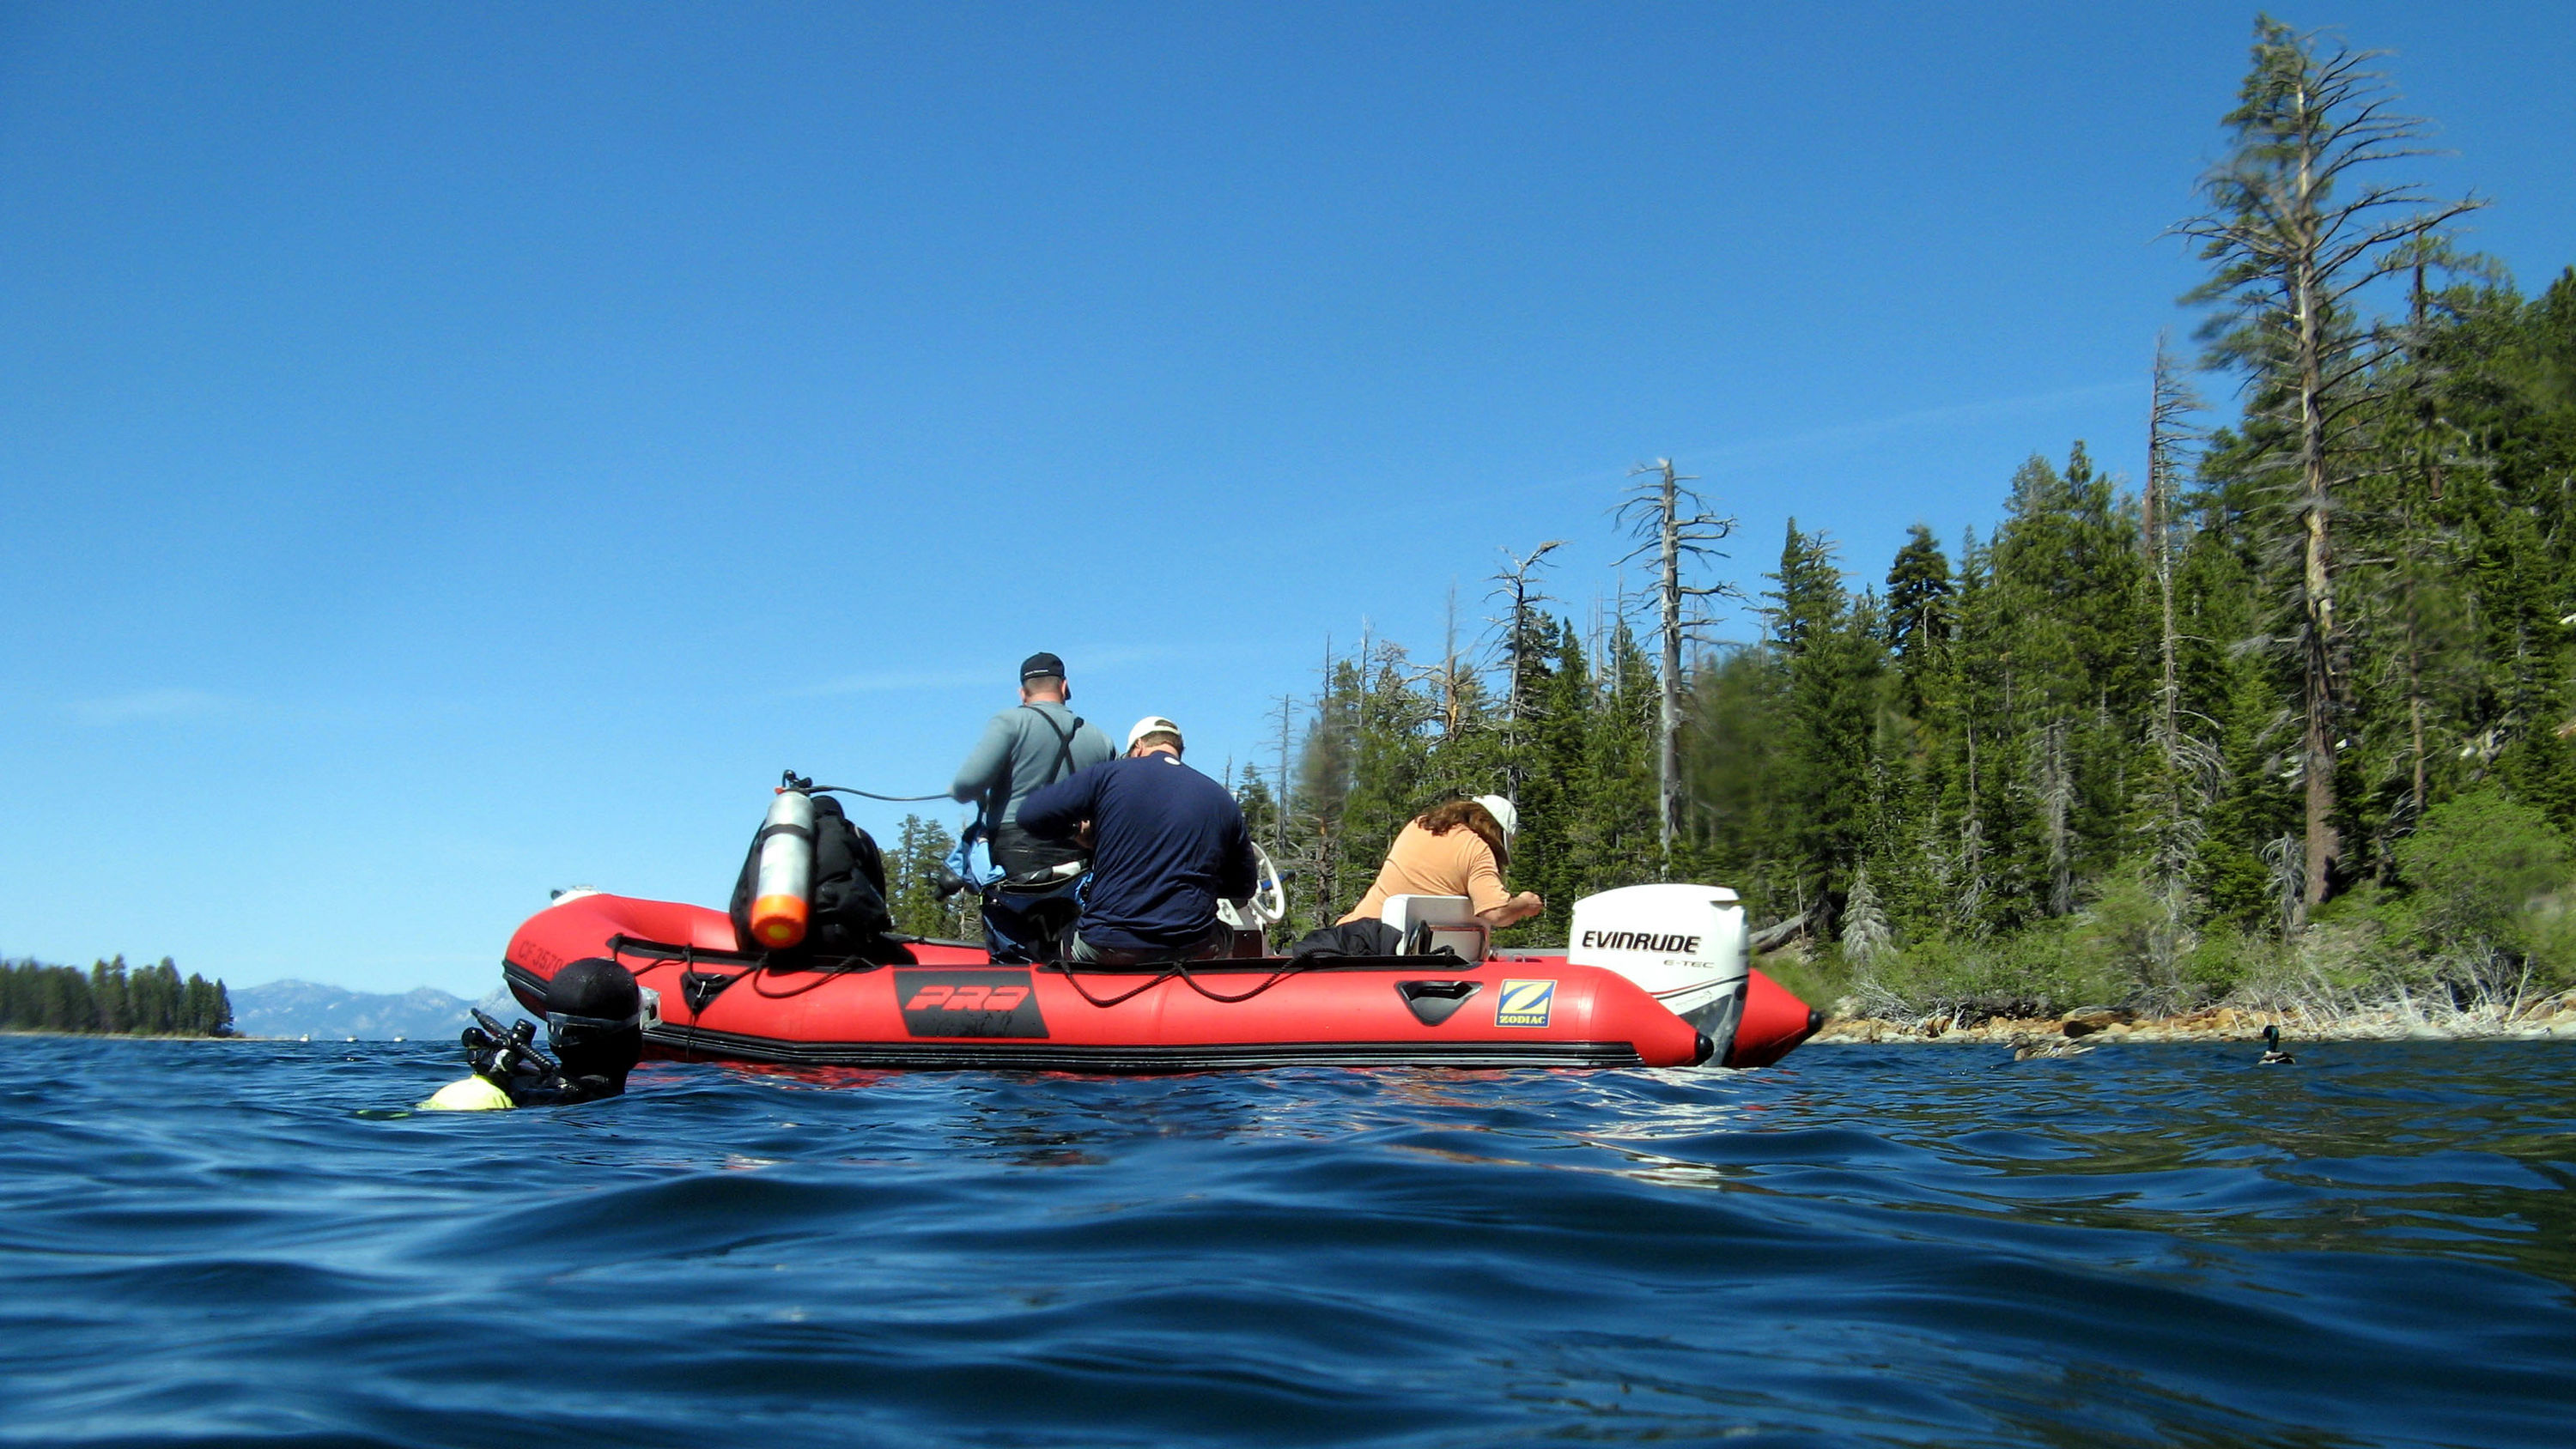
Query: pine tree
<point x="2292" y="255"/>
<point x="915" y="869"/>
<point x="1829" y="658"/>
<point x="1616" y="838"/>
<point x="1547" y="857"/>
<point x="1325" y="767"/>
<point x="109" y="998"/>
<point x="1919" y="611"/>
<point x="1525" y="645"/>
<point x="1262" y="817"/>
<point x="1734" y="757"/>
<point x="2067" y="642"/>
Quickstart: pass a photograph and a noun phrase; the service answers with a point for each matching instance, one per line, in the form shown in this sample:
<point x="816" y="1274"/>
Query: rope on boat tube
<point x="1282" y="974"/>
<point x="1180" y="969"/>
<point x="1084" y="992"/>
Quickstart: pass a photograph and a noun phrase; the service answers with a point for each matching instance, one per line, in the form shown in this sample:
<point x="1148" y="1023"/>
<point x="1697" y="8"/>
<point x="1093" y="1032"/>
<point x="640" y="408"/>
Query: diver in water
<point x="594" y="1022"/>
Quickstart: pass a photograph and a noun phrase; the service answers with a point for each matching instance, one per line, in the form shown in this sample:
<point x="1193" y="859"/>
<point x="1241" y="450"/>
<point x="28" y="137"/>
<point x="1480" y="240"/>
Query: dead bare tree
<point x="1286" y="715"/>
<point x="1452" y="675"/>
<point x="2188" y="766"/>
<point x="2171" y="402"/>
<point x="1654" y="512"/>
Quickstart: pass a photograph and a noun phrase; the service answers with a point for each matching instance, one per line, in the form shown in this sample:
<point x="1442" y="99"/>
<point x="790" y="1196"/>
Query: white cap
<point x="1152" y="724"/>
<point x="1503" y="812"/>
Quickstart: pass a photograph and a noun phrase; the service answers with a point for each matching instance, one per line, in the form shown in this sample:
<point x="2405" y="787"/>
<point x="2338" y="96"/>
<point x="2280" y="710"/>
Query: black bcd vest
<point x="850" y="921"/>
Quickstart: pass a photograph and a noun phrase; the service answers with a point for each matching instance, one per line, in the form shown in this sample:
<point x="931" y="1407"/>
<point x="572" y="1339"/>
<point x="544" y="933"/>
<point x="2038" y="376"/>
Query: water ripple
<point x="258" y="1243"/>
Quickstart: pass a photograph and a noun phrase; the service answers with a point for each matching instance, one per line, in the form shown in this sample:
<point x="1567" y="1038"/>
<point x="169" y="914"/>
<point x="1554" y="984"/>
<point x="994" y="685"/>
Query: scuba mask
<point x="565" y="1029"/>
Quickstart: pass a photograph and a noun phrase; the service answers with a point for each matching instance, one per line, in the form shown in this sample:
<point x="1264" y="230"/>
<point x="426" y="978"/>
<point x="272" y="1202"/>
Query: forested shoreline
<point x="111" y="999"/>
<point x="2289" y="722"/>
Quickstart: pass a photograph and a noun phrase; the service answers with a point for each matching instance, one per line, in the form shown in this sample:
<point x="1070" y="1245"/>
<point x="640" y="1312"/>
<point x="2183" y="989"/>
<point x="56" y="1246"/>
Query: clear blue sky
<point x="448" y="452"/>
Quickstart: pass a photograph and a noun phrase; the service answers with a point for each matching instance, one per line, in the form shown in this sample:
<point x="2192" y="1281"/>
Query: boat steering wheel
<point x="1268" y="903"/>
<point x="1270" y="897"/>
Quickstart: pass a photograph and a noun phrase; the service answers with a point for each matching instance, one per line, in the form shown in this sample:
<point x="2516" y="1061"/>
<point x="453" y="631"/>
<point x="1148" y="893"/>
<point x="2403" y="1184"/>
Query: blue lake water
<point x="252" y="1242"/>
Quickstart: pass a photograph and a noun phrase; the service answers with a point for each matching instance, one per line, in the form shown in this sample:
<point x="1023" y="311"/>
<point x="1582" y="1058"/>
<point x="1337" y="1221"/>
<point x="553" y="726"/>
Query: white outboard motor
<point x="1684" y="943"/>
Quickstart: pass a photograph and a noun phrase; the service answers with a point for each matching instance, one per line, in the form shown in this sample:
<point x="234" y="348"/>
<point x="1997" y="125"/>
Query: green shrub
<point x="2485" y="914"/>
<point x="2122" y="925"/>
<point x="2478" y="864"/>
<point x="2042" y="971"/>
<point x="2226" y="959"/>
<point x="1818" y="979"/>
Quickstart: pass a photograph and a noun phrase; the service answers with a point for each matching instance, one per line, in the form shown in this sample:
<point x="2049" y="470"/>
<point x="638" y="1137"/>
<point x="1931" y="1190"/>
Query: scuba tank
<point x="782" y="899"/>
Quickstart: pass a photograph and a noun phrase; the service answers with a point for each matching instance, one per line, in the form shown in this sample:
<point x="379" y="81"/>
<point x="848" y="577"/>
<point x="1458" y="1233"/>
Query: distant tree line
<point x="109" y="998"/>
<point x="2293" y="715"/>
<point x="916" y="862"/>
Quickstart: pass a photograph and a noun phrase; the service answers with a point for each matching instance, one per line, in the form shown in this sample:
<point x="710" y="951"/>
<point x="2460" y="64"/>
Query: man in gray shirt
<point x="1038" y="743"/>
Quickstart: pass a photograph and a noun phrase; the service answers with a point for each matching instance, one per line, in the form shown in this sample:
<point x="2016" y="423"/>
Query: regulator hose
<point x="790" y="780"/>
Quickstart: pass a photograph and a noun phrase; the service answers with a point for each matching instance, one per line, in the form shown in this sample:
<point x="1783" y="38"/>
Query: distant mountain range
<point x="308" y="1008"/>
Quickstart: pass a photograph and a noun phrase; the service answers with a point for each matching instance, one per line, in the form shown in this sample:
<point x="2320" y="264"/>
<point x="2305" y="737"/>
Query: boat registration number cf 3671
<point x="969" y="1003"/>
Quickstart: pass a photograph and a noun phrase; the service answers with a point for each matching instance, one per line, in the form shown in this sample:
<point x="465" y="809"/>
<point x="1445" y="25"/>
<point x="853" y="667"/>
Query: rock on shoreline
<point x="2553" y="1018"/>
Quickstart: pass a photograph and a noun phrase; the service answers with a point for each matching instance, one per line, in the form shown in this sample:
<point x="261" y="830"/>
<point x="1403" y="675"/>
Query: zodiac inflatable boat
<point x="1655" y="976"/>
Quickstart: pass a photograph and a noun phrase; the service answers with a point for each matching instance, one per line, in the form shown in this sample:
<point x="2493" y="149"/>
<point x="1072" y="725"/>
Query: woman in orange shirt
<point x="1457" y="849"/>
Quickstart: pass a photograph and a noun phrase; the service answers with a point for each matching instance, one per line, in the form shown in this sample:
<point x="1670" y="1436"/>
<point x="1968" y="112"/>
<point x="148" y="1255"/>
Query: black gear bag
<point x="850" y="922"/>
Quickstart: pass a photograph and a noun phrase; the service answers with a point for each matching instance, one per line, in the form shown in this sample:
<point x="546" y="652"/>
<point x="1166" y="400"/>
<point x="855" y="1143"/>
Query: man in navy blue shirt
<point x="1167" y="844"/>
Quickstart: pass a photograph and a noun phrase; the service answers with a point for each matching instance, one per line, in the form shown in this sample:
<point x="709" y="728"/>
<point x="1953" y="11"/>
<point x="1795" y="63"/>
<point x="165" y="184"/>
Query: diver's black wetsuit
<point x="556" y="1089"/>
<point x="594" y="1019"/>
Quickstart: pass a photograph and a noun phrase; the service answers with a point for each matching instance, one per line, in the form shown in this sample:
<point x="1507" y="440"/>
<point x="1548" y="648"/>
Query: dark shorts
<point x="1077" y="949"/>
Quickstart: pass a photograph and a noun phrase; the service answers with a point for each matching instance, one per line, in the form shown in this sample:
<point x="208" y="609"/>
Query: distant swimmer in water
<point x="594" y="1022"/>
<point x="2273" y="1056"/>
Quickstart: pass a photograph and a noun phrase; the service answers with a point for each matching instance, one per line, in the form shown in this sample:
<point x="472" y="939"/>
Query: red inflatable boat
<point x="952" y="1007"/>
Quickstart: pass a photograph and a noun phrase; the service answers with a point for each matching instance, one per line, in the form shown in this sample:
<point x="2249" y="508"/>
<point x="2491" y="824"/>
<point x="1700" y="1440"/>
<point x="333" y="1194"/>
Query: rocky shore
<point x="2553" y="1017"/>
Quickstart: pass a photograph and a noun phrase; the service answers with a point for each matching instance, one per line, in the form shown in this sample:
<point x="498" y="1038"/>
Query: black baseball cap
<point x="1041" y="665"/>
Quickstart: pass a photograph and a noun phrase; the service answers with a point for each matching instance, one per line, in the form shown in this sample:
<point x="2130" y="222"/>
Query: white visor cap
<point x="1503" y="812"/>
<point x="1152" y="724"/>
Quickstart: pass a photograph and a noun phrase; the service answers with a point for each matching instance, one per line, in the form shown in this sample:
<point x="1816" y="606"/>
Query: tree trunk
<point x="1668" y="742"/>
<point x="2317" y="746"/>
<point x="2415" y="718"/>
<point x="1279" y="832"/>
<point x="2170" y="400"/>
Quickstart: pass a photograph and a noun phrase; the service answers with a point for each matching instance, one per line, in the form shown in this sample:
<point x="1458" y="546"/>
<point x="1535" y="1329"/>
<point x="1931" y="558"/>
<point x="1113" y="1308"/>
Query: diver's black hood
<point x="594" y="1014"/>
<point x="596" y="987"/>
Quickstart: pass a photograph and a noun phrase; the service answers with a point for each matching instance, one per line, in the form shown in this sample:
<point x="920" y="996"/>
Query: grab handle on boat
<point x="1433" y="1002"/>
